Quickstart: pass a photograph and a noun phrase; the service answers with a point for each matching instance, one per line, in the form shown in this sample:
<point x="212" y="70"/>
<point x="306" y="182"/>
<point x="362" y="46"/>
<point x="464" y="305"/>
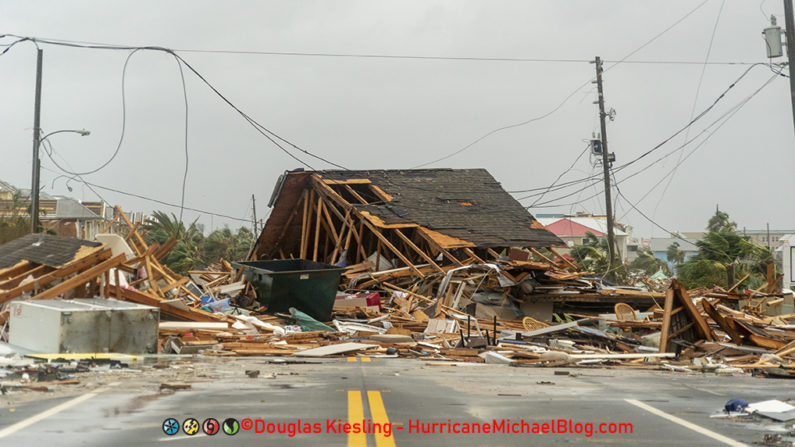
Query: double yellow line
<point x="364" y="359"/>
<point x="379" y="416"/>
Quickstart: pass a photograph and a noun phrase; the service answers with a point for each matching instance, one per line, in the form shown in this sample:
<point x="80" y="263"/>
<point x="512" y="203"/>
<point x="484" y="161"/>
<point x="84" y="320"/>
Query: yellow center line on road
<point x="365" y="359"/>
<point x="351" y="359"/>
<point x="378" y="412"/>
<point x="356" y="415"/>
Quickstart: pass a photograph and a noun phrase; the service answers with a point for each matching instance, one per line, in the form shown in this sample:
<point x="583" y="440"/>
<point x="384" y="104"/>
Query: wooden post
<point x="287" y="225"/>
<point x="391" y="247"/>
<point x="319" y="212"/>
<point x="414" y="247"/>
<point x="304" y="228"/>
<point x="118" y="282"/>
<point x="666" y="326"/>
<point x="471" y="253"/>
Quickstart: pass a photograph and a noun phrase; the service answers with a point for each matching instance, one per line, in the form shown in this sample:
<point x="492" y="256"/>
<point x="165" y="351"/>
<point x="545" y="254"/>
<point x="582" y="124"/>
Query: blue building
<point x="659" y="246"/>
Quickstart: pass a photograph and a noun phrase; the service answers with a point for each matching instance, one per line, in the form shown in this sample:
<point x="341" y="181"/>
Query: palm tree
<point x="649" y="264"/>
<point x="187" y="253"/>
<point x="228" y="245"/>
<point x="722" y="255"/>
<point x="674" y="255"/>
<point x="720" y="223"/>
<point x="17" y="223"/>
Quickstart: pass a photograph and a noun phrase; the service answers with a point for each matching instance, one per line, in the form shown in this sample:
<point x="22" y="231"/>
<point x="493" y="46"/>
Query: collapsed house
<point x="420" y="219"/>
<point x="449" y="235"/>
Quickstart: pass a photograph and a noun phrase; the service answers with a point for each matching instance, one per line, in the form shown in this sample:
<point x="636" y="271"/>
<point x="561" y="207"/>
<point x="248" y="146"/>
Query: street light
<point x="34" y="189"/>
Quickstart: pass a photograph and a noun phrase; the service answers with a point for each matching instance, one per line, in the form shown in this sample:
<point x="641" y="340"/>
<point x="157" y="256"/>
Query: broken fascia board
<point x="334" y="349"/>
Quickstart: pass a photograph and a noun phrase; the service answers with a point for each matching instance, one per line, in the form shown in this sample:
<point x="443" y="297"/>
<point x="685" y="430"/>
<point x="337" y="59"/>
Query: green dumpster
<point x="309" y="286"/>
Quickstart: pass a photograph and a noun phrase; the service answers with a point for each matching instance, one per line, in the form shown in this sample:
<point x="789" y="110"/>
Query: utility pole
<point x="768" y="235"/>
<point x="789" y="21"/>
<point x="254" y="208"/>
<point x="605" y="164"/>
<point x="34" y="187"/>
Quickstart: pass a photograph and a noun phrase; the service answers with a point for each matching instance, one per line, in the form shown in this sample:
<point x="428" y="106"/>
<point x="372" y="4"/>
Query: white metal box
<point x="84" y="325"/>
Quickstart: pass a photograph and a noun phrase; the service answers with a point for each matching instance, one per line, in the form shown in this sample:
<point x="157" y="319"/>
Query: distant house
<point x="573" y="230"/>
<point x="7" y="191"/>
<point x="659" y="246"/>
<point x="63" y="215"/>
<point x="767" y="238"/>
<point x="785" y="254"/>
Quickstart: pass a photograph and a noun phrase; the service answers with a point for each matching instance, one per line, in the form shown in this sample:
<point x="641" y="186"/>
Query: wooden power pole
<point x="611" y="243"/>
<point x="789" y="21"/>
<point x="254" y="211"/>
<point x="34" y="187"/>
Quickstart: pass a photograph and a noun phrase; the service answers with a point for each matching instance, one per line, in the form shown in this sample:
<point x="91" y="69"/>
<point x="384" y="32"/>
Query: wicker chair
<point x="625" y="312"/>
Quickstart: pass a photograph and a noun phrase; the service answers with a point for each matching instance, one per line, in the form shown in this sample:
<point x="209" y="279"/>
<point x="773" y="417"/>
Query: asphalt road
<point x="663" y="408"/>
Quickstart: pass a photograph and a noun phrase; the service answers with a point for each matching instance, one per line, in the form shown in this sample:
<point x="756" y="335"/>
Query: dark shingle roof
<point x="465" y="203"/>
<point x="42" y="249"/>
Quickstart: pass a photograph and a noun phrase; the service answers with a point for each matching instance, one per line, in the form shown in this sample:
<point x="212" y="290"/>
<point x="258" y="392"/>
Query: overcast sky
<point x="387" y="113"/>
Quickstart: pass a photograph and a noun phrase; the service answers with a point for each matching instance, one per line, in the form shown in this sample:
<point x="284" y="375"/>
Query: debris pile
<point x="430" y="264"/>
<point x="41" y="267"/>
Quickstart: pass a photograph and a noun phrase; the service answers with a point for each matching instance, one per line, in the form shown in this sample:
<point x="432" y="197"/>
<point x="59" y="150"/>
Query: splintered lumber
<point x="738" y="283"/>
<point x="66" y="270"/>
<point x="634" y="293"/>
<point x="681" y="319"/>
<point x="460" y="352"/>
<point x="725" y="325"/>
<point x="786" y="350"/>
<point x="414" y="247"/>
<point x="21" y="267"/>
<point x="142" y="298"/>
<point x="569" y="263"/>
<point x="80" y="279"/>
<point x="391" y="247"/>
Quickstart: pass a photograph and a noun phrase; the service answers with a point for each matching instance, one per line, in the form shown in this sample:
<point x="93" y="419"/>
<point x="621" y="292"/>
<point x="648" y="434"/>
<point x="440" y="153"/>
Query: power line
<point x="185" y="175"/>
<point x="720" y="122"/>
<point x="725" y="117"/>
<point x="500" y="129"/>
<point x="150" y="199"/>
<point x="267" y="133"/>
<point x="671" y="233"/>
<point x="566" y="99"/>
<point x="427" y="57"/>
<point x="48" y="149"/>
<point x="658" y="35"/>
<point x="695" y="98"/>
<point x="665" y="141"/>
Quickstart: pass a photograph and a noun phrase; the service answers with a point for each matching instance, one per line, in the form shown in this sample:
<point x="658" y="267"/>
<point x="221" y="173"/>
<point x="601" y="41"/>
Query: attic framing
<point x="327" y="221"/>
